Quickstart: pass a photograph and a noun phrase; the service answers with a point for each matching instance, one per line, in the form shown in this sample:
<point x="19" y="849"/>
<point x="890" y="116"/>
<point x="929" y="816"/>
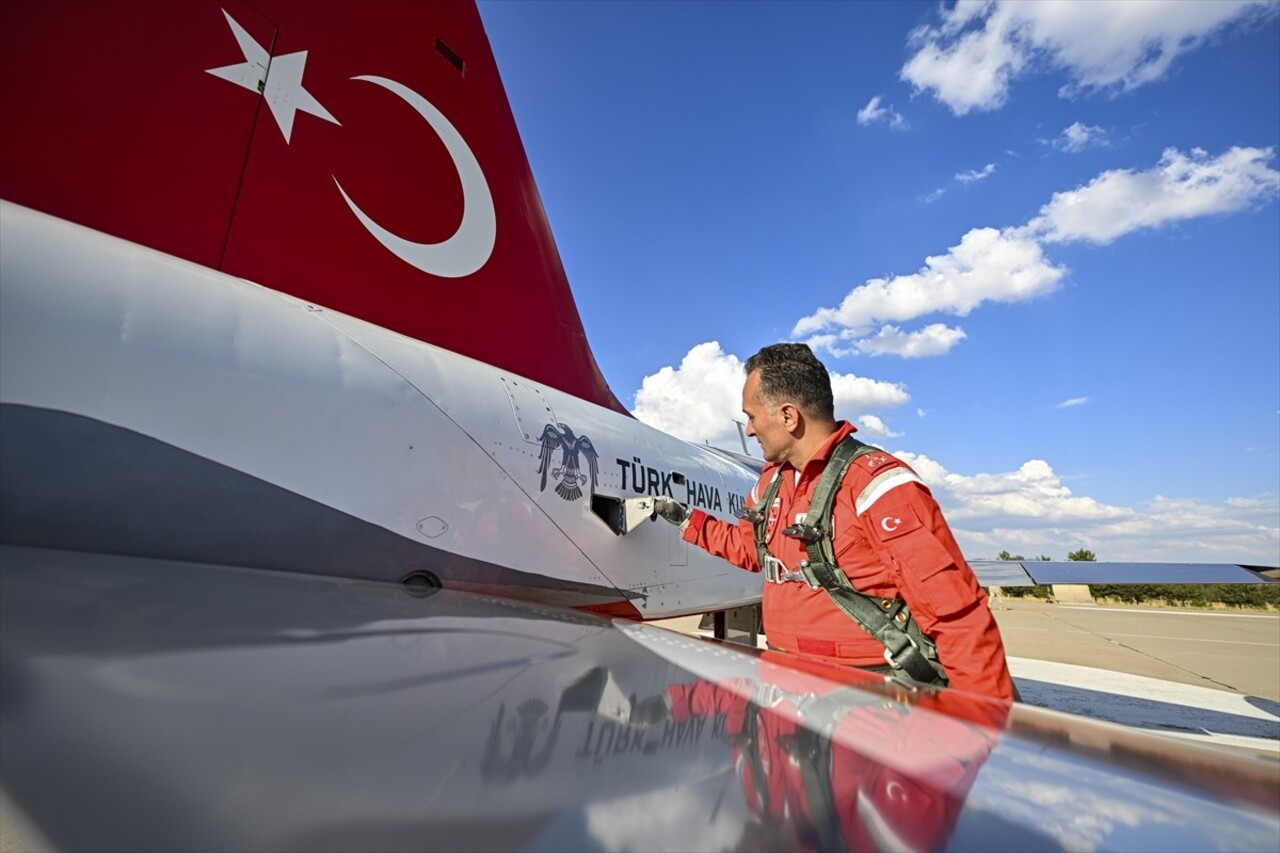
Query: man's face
<point x="765" y="421"/>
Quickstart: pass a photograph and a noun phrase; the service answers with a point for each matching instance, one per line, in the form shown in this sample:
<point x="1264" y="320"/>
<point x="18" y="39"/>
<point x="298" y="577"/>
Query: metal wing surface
<point x="162" y="705"/>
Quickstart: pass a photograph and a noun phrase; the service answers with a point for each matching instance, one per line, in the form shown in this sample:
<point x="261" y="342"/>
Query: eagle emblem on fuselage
<point x="572" y="449"/>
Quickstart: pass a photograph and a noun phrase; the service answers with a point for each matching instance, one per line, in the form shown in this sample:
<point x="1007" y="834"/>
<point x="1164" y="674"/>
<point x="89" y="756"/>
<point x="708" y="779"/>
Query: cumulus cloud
<point x="701" y="398"/>
<point x="1034" y="494"/>
<point x="873" y="113"/>
<point x="855" y="395"/>
<point x="968" y="71"/>
<point x="1268" y="501"/>
<point x="871" y="425"/>
<point x="934" y="339"/>
<point x="976" y="174"/>
<point x="1031" y="511"/>
<point x="1180" y="187"/>
<point x="698" y="400"/>
<point x="969" y="60"/>
<point x="1009" y="265"/>
<point x="988" y="265"/>
<point x="1078" y="137"/>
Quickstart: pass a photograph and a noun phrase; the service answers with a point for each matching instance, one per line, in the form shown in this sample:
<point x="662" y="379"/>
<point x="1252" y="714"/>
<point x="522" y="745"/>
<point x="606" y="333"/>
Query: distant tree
<point x="1044" y="558"/>
<point x="1261" y="596"/>
<point x="1084" y="555"/>
<point x="1038" y="591"/>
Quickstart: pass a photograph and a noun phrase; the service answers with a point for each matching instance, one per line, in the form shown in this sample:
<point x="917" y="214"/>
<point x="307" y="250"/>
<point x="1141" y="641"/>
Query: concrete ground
<point x="1206" y="675"/>
<point x="1230" y="650"/>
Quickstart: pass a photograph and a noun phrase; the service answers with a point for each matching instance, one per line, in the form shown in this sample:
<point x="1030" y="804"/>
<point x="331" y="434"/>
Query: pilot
<point x="876" y="580"/>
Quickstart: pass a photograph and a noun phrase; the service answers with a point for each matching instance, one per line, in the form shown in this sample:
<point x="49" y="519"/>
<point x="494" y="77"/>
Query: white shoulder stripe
<point x="881" y="484"/>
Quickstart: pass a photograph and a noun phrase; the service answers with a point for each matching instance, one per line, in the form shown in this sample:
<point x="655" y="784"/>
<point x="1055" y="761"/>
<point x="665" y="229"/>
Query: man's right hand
<point x="672" y="510"/>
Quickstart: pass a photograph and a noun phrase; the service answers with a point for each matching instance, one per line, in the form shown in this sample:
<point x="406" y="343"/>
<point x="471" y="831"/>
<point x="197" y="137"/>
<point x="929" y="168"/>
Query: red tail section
<point x="358" y="155"/>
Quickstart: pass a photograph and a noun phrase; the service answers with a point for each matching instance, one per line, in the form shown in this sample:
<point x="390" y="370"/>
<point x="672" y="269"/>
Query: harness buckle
<point x="891" y="660"/>
<point x="807" y="575"/>
<point x="806" y="533"/>
<point x="775" y="571"/>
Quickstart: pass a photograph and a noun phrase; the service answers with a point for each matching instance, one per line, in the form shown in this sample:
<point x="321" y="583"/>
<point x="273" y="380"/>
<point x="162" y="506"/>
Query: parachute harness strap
<point x="888" y="620"/>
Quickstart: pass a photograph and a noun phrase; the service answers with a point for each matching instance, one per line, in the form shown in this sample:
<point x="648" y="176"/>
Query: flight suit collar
<point x="818" y="462"/>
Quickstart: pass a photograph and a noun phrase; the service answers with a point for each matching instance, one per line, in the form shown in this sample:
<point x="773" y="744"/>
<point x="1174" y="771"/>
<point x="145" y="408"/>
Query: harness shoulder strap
<point x="889" y="621"/>
<point x="759" y="517"/>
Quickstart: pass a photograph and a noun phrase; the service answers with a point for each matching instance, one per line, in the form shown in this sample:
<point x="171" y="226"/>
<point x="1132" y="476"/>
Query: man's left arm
<point x="912" y="538"/>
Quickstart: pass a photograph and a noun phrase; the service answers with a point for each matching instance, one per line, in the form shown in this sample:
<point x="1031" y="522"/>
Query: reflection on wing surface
<point x="286" y="711"/>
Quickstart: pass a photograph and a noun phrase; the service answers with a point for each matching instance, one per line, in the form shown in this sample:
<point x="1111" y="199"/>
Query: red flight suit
<point x="886" y="776"/>
<point x="891" y="540"/>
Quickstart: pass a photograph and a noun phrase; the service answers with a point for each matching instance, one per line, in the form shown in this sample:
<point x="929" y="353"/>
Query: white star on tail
<point x="282" y="76"/>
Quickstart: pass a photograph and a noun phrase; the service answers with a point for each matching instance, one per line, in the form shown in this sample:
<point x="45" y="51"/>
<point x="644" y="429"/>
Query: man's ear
<point x="790" y="417"/>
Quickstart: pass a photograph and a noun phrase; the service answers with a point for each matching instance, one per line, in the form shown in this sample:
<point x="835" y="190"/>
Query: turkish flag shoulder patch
<point x="893" y="522"/>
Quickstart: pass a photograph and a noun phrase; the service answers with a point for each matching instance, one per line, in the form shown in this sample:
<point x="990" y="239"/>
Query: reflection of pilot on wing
<point x="827" y="767"/>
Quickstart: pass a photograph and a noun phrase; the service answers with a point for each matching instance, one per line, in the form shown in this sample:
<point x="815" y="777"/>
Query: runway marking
<point x="1168" y="708"/>
<point x="1063" y="618"/>
<point x="1196" y="640"/>
<point x="1058" y="630"/>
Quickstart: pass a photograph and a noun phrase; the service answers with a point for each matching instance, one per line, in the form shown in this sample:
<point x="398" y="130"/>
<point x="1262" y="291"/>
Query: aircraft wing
<point x="1032" y="572"/>
<point x="163" y="705"/>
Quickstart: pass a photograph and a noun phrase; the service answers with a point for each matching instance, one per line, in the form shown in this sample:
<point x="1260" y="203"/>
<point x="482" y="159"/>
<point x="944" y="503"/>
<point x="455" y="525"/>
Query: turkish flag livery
<point x="361" y="156"/>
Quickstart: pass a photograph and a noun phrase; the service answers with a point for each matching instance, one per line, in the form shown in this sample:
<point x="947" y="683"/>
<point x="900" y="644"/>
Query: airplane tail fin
<point x="361" y="156"/>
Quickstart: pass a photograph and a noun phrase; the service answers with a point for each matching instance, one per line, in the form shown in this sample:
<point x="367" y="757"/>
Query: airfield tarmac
<point x="1212" y="676"/>
<point x="1234" y="651"/>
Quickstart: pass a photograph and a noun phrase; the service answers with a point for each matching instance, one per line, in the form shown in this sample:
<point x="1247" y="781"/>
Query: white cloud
<point x="872" y="425"/>
<point x="991" y="265"/>
<point x="935" y="195"/>
<point x="1074" y="401"/>
<point x="966" y="73"/>
<point x="855" y="395"/>
<point x="976" y="174"/>
<point x="1179" y="187"/>
<point x="1078" y="137"/>
<point x="1033" y="494"/>
<point x="987" y="266"/>
<point x="700" y="400"/>
<point x="934" y="339"/>
<point x="873" y="112"/>
<point x="1030" y="511"/>
<point x="1265" y="502"/>
<point x="970" y="60"/>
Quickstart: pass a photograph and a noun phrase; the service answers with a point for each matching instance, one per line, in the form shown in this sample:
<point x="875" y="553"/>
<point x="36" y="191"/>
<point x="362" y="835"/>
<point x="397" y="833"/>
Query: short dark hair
<point x="791" y="373"/>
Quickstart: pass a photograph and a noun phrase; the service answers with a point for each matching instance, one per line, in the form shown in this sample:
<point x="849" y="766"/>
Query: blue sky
<point x="1037" y="244"/>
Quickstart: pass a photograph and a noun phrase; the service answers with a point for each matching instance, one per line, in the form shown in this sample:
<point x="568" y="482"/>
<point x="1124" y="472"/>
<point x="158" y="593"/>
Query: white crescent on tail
<point x="471" y="245"/>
